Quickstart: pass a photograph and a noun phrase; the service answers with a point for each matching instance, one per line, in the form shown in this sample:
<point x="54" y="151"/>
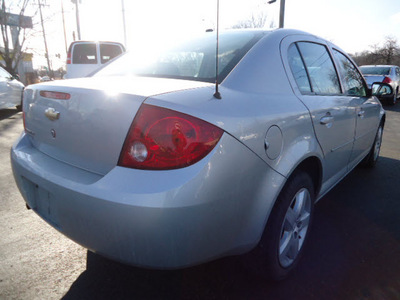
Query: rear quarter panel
<point x="255" y="96"/>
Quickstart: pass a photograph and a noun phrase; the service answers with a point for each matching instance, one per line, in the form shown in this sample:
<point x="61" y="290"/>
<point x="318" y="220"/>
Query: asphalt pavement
<point x="353" y="252"/>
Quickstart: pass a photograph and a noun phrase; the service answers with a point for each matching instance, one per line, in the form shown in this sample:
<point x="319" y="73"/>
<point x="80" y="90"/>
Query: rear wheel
<point x="287" y="230"/>
<point x="394" y="99"/>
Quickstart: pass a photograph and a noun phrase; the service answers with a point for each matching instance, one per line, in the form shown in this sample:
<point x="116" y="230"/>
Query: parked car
<point x="10" y="90"/>
<point x="84" y="57"/>
<point x="45" y="78"/>
<point x="383" y="73"/>
<point x="146" y="164"/>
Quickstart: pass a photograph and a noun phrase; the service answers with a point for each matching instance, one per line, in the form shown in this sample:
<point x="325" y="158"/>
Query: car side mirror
<point x="381" y="90"/>
<point x="15" y="76"/>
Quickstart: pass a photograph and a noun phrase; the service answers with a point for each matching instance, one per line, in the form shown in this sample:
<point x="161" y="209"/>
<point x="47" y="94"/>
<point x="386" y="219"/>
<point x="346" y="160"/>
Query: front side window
<point x="84" y="54"/>
<point x="4" y="74"/>
<point x="352" y="80"/>
<point x="322" y="73"/>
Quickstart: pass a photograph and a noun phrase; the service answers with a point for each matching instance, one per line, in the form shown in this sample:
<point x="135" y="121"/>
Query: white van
<point x="84" y="57"/>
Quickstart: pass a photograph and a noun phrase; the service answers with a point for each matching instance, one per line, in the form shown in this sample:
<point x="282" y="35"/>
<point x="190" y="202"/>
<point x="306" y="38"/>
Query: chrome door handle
<point x="361" y="114"/>
<point x="52" y="114"/>
<point x="326" y="120"/>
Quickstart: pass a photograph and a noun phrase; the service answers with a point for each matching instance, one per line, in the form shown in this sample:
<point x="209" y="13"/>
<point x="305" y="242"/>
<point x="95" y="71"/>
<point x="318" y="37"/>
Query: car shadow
<point x="7" y="113"/>
<point x="395" y="107"/>
<point x="354" y="253"/>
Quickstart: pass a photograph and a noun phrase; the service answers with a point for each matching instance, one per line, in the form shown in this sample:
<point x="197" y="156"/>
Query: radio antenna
<point x="217" y="93"/>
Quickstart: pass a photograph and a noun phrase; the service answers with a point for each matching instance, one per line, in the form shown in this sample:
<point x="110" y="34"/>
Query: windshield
<point x="191" y="60"/>
<point x="375" y="70"/>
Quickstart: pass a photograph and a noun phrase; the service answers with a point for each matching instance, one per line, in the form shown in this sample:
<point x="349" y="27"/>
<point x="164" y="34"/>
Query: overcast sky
<point x="354" y="25"/>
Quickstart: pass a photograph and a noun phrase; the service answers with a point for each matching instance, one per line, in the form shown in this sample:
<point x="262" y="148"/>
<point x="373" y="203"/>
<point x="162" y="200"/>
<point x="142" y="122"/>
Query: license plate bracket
<point x="41" y="201"/>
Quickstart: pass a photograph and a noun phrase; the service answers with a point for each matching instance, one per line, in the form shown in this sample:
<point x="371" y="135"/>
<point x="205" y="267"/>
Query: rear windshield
<point x="109" y="51"/>
<point x="84" y="53"/>
<point x="191" y="60"/>
<point x="375" y="70"/>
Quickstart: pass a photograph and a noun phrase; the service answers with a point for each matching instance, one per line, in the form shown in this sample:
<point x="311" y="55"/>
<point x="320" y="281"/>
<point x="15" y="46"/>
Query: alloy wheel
<point x="378" y="143"/>
<point x="295" y="227"/>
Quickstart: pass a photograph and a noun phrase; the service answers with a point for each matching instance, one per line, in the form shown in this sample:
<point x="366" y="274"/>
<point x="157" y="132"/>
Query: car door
<point x="397" y="76"/>
<point x="316" y="83"/>
<point x="8" y="92"/>
<point x="367" y="108"/>
<point x="16" y="88"/>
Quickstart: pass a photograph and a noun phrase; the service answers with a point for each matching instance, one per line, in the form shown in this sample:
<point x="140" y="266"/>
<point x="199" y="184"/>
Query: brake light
<point x="387" y="80"/>
<point x="23" y="121"/>
<point x="55" y="95"/>
<point x="22" y="107"/>
<point x="69" y="57"/>
<point x="162" y="139"/>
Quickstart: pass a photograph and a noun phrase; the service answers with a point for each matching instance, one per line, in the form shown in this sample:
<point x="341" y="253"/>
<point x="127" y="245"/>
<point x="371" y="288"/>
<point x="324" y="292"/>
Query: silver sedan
<point x="383" y="73"/>
<point x="158" y="162"/>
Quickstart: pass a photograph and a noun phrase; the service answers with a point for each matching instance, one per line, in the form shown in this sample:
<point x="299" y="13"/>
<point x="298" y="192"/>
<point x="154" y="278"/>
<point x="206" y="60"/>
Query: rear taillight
<point x="23" y="120"/>
<point x="387" y="80"/>
<point x="22" y="107"/>
<point x="69" y="57"/>
<point x="55" y="95"/>
<point x="162" y="139"/>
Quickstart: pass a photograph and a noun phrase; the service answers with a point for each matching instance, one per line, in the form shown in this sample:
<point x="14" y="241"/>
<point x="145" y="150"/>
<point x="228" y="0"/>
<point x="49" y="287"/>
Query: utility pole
<point x="123" y="20"/>
<point x="78" y="26"/>
<point x="65" y="33"/>
<point x="51" y="74"/>
<point x="281" y="12"/>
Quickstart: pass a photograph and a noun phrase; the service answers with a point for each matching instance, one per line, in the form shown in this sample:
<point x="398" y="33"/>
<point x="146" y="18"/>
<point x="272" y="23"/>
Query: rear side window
<point x="298" y="69"/>
<point x="84" y="54"/>
<point x="322" y="73"/>
<point x="353" y="82"/>
<point x="109" y="51"/>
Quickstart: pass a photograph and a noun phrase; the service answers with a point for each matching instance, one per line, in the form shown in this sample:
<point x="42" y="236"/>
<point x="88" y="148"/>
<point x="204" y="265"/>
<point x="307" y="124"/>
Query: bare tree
<point x="256" y="20"/>
<point x="11" y="50"/>
<point x="389" y="50"/>
<point x="387" y="54"/>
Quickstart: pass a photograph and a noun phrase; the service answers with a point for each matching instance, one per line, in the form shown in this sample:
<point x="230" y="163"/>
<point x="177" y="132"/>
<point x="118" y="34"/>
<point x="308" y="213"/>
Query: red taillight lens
<point x="23" y="120"/>
<point x="69" y="58"/>
<point x="55" y="95"/>
<point x="387" y="80"/>
<point x="22" y="107"/>
<point x="162" y="139"/>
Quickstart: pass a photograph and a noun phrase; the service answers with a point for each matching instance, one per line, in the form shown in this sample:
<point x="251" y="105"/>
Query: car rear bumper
<point x="156" y="219"/>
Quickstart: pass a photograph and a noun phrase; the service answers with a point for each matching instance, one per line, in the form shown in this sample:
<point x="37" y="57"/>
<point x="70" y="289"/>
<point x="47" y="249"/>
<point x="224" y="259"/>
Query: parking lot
<point x="354" y="249"/>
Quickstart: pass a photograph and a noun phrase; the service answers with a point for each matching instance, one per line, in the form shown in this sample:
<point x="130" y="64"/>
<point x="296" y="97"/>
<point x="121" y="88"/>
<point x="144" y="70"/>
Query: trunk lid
<point x="370" y="79"/>
<point x="88" y="130"/>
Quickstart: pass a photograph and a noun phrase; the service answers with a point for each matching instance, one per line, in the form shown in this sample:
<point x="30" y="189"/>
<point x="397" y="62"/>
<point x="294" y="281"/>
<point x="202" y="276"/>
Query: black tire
<point x="373" y="155"/>
<point x="274" y="260"/>
<point x="393" y="101"/>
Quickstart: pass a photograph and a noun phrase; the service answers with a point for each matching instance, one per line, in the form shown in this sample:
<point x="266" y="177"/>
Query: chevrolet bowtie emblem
<point x="52" y="114"/>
